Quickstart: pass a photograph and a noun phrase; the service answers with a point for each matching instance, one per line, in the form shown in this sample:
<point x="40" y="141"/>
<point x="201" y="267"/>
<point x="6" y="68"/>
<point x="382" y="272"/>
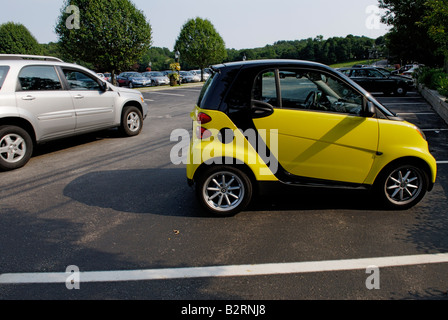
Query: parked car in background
<point x="132" y="79"/>
<point x="374" y="80"/>
<point x="205" y="75"/>
<point x="189" y="77"/>
<point x="157" y="78"/>
<point x="312" y="127"/>
<point x="44" y="98"/>
<point x="108" y="77"/>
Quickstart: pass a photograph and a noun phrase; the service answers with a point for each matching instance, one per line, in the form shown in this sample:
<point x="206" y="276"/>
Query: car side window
<point x="307" y="90"/>
<point x="374" y="74"/>
<point x="39" y="78"/>
<point x="265" y="88"/>
<point x="80" y="81"/>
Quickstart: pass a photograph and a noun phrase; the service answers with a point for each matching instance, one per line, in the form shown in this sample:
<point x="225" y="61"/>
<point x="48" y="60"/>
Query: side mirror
<point x="103" y="86"/>
<point x="369" y="108"/>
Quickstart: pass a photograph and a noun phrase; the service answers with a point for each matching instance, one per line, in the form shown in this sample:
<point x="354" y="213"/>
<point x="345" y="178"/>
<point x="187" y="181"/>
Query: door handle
<point x="28" y="97"/>
<point x="78" y="96"/>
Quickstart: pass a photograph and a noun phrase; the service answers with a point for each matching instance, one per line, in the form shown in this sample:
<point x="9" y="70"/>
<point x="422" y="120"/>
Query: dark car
<point x="374" y="80"/>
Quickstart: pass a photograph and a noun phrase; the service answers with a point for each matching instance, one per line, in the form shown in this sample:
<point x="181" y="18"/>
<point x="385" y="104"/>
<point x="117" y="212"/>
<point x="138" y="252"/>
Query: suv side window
<point x="3" y="72"/>
<point x="38" y="78"/>
<point x="80" y="81"/>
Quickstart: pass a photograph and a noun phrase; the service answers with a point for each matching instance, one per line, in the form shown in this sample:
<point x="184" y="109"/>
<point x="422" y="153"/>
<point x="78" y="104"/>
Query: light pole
<point x="177" y="56"/>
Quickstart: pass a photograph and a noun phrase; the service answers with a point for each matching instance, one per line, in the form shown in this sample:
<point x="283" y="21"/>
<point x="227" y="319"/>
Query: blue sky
<point x="241" y="23"/>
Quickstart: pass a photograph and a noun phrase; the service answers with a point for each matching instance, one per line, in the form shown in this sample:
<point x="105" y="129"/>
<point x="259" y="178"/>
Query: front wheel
<point x="402" y="186"/>
<point x="16" y="147"/>
<point x="132" y="121"/>
<point x="224" y="190"/>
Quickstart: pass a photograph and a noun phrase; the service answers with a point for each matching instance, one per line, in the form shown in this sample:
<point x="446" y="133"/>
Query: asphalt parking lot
<point x="121" y="213"/>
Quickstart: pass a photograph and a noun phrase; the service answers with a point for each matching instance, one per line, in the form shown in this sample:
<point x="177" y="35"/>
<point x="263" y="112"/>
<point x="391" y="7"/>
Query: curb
<point x="168" y="87"/>
<point x="437" y="101"/>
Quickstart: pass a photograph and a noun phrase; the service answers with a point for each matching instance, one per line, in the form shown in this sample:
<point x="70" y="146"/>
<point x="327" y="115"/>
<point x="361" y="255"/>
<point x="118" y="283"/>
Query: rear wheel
<point x="16" y="147"/>
<point x="402" y="186"/>
<point x="224" y="190"/>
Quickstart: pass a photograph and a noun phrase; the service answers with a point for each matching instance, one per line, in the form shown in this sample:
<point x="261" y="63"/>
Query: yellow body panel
<point x="312" y="144"/>
<point x="213" y="150"/>
<point x="320" y="145"/>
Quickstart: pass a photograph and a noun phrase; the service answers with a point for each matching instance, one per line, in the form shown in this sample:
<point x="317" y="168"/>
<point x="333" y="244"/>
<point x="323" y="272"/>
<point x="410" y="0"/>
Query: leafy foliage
<point x="408" y="38"/>
<point x="17" y="39"/>
<point x="200" y="44"/>
<point x="110" y="37"/>
<point x="330" y="51"/>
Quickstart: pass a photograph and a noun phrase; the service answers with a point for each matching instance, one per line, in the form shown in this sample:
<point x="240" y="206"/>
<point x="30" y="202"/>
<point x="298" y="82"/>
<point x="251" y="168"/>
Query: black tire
<point x="401" y="186"/>
<point x="224" y="190"/>
<point x="16" y="147"/>
<point x="131" y="121"/>
<point x="400" y="91"/>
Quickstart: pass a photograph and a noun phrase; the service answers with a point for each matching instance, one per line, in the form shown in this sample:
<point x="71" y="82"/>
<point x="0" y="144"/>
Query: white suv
<point x="44" y="98"/>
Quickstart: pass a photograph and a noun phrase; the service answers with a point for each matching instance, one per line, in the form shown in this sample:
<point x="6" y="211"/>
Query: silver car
<point x="157" y="78"/>
<point x="44" y="98"/>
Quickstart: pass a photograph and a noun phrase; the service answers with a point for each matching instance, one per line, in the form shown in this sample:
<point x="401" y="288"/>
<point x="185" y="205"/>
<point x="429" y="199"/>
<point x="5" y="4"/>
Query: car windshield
<point x="3" y="72"/>
<point x="156" y="74"/>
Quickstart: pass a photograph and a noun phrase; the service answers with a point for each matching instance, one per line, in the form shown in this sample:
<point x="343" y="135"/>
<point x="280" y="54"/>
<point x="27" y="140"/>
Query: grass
<point x="350" y="63"/>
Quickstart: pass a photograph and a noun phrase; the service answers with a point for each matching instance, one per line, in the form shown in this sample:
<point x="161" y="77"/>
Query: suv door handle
<point x="28" y="97"/>
<point x="78" y="96"/>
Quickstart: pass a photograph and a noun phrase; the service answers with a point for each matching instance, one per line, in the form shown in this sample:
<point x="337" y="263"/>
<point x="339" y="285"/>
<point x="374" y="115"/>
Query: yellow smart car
<point x="299" y="123"/>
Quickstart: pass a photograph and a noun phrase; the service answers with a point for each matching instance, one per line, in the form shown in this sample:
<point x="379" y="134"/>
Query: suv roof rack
<point x="27" y="57"/>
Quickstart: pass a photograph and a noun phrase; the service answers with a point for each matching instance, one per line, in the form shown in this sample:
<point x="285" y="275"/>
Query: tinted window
<point x="80" y="81"/>
<point x="36" y="78"/>
<point x="3" y="72"/>
<point x="204" y="90"/>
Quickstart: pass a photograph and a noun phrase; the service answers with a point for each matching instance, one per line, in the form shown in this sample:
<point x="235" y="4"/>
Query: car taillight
<point x="201" y="132"/>
<point x="203" y="118"/>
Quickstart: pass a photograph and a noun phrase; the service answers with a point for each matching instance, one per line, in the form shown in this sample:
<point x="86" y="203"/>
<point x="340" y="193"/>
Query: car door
<point x="318" y="125"/>
<point x="94" y="106"/>
<point x="380" y="83"/>
<point x="41" y="99"/>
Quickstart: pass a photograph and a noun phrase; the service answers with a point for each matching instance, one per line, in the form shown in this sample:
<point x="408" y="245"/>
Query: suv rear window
<point x="37" y="78"/>
<point x="3" y="72"/>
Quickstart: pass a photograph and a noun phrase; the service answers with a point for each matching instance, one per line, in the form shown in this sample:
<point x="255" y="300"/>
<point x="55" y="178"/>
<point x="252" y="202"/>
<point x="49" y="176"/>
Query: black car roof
<point x="269" y="62"/>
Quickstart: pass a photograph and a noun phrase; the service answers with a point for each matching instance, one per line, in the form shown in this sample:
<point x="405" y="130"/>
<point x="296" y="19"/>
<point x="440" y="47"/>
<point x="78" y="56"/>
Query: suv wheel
<point x="132" y="121"/>
<point x="16" y="147"/>
<point x="402" y="186"/>
<point x="224" y="190"/>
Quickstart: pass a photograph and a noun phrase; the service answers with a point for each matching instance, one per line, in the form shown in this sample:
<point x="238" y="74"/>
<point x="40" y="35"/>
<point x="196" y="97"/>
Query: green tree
<point x="112" y="37"/>
<point x="15" y="38"/>
<point x="408" y="39"/>
<point x="436" y="20"/>
<point x="199" y="44"/>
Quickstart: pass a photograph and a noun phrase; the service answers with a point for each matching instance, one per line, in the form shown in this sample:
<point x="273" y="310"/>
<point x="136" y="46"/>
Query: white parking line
<point x="168" y="94"/>
<point x="226" y="271"/>
<point x="418" y="113"/>
<point x="407" y="103"/>
<point x="442" y="162"/>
